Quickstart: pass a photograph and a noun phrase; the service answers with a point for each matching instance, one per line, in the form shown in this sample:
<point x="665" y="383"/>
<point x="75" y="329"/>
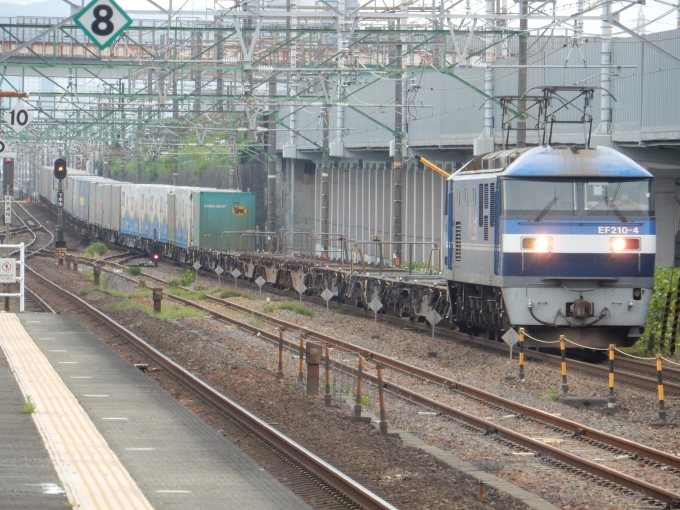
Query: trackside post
<point x="563" y="351"/>
<point x="521" y="354"/>
<point x="610" y="400"/>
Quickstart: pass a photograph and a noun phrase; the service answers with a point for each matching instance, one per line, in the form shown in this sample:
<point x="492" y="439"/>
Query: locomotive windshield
<point x="559" y="199"/>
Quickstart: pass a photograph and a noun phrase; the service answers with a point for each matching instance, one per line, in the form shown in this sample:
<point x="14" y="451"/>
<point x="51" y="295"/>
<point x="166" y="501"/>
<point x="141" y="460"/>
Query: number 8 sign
<point x="102" y="21"/>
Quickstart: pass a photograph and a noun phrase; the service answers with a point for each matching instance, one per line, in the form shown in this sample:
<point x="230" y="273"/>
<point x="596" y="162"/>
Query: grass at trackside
<point x="289" y="305"/>
<point x="169" y="310"/>
<point x="139" y="294"/>
<point x="96" y="249"/>
<point x="133" y="270"/>
<point x="230" y="293"/>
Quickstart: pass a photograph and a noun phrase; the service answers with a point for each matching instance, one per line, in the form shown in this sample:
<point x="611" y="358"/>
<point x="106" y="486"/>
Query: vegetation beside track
<point x="665" y="280"/>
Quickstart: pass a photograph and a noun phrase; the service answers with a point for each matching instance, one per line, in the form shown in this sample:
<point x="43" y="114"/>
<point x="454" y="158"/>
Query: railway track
<point x="633" y="372"/>
<point x="564" y="459"/>
<point x="346" y="491"/>
<point x="638" y="373"/>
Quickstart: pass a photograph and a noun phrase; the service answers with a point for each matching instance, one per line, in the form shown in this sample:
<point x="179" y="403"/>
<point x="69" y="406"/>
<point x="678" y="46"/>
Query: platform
<point x="106" y="434"/>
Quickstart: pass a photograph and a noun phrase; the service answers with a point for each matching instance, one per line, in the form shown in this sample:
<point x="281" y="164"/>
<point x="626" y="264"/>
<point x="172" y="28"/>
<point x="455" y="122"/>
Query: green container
<point x="216" y="212"/>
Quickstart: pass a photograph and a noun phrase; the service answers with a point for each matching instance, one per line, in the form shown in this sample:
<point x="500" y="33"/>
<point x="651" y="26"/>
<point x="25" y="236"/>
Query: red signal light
<point x="156" y="256"/>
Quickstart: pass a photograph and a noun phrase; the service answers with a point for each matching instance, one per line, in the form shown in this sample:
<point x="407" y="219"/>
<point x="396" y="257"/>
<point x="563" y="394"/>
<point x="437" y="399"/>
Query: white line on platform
<point x="140" y="449"/>
<point x="81" y="377"/>
<point x="48" y="338"/>
<point x="98" y="396"/>
<point x="67" y="362"/>
<point x="58" y="350"/>
<point x="121" y="419"/>
<point x="174" y="492"/>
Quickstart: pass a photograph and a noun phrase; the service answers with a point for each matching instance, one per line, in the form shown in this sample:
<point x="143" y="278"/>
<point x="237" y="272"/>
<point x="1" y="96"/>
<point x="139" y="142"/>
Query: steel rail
<point x="627" y="371"/>
<point x="338" y="480"/>
<point x="41" y="302"/>
<point x="640" y="451"/>
<point x="579" y="463"/>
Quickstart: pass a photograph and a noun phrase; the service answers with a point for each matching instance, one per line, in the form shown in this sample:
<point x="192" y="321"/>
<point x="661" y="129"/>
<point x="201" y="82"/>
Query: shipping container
<point x="111" y="206"/>
<point x="218" y="211"/>
<point x="129" y="203"/>
<point x="99" y="203"/>
<point x="172" y="218"/>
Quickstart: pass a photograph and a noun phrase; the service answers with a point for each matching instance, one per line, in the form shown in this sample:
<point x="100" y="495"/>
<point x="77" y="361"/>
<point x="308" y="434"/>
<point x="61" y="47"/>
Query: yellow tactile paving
<point x="92" y="475"/>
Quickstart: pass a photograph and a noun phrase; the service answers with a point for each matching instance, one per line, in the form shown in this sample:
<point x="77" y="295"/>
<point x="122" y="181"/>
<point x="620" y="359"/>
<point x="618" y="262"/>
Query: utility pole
<point x="175" y="170"/>
<point x="522" y="75"/>
<point x="325" y="206"/>
<point x="271" y="159"/>
<point x="604" y="130"/>
<point x="398" y="173"/>
<point x="219" y="80"/>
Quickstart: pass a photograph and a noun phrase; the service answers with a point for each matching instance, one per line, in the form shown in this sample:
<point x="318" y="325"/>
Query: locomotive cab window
<point x="535" y="199"/>
<point x="539" y="199"/>
<point x="622" y="198"/>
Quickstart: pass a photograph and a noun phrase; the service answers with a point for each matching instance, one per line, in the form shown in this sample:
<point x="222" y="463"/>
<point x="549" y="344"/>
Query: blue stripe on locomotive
<point x="590" y="265"/>
<point x="570" y="265"/>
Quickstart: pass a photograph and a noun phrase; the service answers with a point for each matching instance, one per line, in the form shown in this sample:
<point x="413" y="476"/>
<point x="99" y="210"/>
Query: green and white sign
<point x="102" y="21"/>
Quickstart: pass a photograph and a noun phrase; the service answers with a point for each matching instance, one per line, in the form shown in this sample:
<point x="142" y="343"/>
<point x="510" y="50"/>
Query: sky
<point x="652" y="10"/>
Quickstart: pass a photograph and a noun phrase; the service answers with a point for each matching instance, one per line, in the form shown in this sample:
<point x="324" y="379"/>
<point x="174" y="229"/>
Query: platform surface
<point x="173" y="458"/>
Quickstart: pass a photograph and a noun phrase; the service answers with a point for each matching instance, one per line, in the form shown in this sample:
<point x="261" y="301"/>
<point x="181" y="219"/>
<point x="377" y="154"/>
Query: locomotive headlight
<point x="543" y="243"/>
<point x="624" y="244"/>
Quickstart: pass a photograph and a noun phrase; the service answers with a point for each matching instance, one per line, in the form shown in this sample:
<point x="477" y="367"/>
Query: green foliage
<point x="289" y="305"/>
<point x="418" y="265"/>
<point x="192" y="295"/>
<point x="553" y="395"/>
<point x="256" y="321"/>
<point x="186" y="278"/>
<point x="665" y="279"/>
<point x="133" y="270"/>
<point x="365" y="401"/>
<point x="139" y="294"/>
<point x="29" y="405"/>
<point x="169" y="310"/>
<point x="234" y="293"/>
<point x="96" y="249"/>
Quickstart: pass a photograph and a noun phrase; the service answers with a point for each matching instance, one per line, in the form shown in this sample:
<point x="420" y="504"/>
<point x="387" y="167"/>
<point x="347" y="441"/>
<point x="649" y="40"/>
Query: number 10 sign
<point x="18" y="117"/>
<point x="102" y="21"/>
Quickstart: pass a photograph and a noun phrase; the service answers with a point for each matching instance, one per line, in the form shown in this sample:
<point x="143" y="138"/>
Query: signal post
<point x="7" y="191"/>
<point x="60" y="244"/>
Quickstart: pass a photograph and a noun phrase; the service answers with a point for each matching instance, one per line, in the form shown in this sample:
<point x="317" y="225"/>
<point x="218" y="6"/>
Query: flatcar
<point x="558" y="241"/>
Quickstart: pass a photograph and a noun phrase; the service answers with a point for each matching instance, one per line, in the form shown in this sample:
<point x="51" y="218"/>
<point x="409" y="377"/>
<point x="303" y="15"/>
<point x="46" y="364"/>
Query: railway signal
<point x="156" y="253"/>
<point x="60" y="169"/>
<point x="8" y="176"/>
<point x="60" y="244"/>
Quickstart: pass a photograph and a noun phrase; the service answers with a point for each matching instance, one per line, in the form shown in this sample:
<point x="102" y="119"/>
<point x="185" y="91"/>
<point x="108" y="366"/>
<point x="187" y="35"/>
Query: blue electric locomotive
<point x="559" y="241"/>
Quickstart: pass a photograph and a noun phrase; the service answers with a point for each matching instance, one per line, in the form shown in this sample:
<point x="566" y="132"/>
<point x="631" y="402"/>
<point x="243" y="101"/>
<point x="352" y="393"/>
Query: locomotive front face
<point x="577" y="253"/>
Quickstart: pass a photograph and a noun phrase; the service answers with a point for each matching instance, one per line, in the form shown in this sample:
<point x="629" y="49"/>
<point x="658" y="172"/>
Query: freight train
<point x="182" y="218"/>
<point x="559" y="241"/>
<point x="554" y="240"/>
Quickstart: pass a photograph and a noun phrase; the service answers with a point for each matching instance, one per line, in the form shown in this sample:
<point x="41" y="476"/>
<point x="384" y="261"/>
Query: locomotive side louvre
<point x="557" y="241"/>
